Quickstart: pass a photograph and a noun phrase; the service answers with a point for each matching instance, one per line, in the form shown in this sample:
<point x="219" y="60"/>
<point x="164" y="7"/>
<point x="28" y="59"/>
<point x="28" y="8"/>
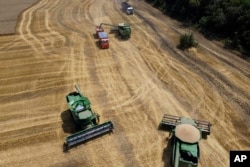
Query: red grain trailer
<point x="103" y="40"/>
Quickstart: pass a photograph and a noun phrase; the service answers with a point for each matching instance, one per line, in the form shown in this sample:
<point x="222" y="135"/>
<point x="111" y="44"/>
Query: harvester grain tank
<point x="127" y="8"/>
<point x="186" y="134"/>
<point x="85" y="119"/>
<point x="123" y="29"/>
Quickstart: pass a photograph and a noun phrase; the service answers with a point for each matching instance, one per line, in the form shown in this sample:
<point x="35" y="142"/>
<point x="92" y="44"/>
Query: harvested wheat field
<point x="133" y="83"/>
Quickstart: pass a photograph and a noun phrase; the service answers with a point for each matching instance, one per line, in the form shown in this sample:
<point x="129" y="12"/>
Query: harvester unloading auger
<point x="186" y="134"/>
<point x="85" y="119"/>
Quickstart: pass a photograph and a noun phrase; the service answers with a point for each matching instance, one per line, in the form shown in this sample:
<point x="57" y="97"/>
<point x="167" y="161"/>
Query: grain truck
<point x="102" y="36"/>
<point x="127" y="8"/>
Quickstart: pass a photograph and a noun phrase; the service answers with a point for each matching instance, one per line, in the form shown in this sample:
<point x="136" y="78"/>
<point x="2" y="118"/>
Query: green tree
<point x="187" y="41"/>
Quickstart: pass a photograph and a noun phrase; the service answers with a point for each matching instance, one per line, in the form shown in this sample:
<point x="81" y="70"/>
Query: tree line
<point x="227" y="20"/>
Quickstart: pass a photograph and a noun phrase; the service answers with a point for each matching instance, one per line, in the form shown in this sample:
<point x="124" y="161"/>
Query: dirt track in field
<point x="133" y="83"/>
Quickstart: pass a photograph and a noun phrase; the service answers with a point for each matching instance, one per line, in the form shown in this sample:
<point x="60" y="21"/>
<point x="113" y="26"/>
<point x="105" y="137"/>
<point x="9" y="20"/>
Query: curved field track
<point x="133" y="83"/>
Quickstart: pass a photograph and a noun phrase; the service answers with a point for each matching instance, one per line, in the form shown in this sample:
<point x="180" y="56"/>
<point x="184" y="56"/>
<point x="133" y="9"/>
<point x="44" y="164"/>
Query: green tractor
<point x="123" y="29"/>
<point x="186" y="134"/>
<point x="85" y="119"/>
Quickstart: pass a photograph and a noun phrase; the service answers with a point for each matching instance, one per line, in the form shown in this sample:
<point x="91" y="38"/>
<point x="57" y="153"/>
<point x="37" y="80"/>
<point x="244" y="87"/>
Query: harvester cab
<point x="186" y="134"/>
<point x="123" y="29"/>
<point x="85" y="119"/>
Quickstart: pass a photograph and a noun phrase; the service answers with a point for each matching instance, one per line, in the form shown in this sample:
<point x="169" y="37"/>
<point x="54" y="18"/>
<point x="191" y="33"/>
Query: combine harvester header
<point x="85" y="119"/>
<point x="171" y="121"/>
<point x="186" y="134"/>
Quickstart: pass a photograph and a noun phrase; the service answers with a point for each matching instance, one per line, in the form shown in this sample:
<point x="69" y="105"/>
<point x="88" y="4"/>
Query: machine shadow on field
<point x="166" y="154"/>
<point x="68" y="124"/>
<point x="97" y="41"/>
<point x="95" y="36"/>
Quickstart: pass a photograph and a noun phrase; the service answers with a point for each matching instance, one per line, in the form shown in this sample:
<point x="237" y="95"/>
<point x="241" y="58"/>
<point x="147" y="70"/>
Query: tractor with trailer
<point x="185" y="135"/>
<point x="123" y="29"/>
<point x="85" y="119"/>
<point x="127" y="8"/>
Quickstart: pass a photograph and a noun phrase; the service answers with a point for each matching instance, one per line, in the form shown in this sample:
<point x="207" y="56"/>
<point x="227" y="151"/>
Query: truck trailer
<point x="103" y="40"/>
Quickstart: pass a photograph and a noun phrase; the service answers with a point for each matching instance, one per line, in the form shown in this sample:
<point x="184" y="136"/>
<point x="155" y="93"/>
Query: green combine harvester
<point x="85" y="119"/>
<point x="123" y="29"/>
<point x="186" y="134"/>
